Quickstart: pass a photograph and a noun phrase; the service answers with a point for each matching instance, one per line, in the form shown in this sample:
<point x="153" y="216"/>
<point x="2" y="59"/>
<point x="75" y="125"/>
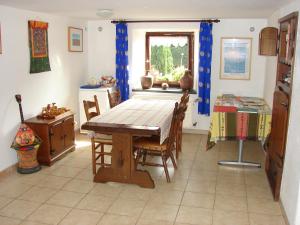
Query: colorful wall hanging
<point x="75" y="39"/>
<point x="38" y="46"/>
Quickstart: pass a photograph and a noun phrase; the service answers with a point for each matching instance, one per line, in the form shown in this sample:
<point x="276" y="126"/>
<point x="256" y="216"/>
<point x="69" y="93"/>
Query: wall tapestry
<point x="38" y="46"/>
<point x="75" y="38"/>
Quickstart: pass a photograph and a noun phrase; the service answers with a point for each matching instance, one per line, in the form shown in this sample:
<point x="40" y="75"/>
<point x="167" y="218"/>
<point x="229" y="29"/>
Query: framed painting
<point x="235" y="58"/>
<point x="75" y="39"/>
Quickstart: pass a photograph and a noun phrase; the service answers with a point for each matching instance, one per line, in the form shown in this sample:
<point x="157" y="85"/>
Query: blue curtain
<point x="122" y="60"/>
<point x="205" y="57"/>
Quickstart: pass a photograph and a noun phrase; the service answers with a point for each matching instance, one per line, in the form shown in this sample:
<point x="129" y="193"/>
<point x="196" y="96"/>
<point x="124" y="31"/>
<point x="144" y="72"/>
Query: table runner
<point x="153" y="113"/>
<point x="239" y="118"/>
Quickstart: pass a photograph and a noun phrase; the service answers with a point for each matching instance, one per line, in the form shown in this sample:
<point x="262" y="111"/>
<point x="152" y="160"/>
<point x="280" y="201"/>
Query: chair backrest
<point x="88" y="105"/>
<point x="183" y="105"/>
<point x="114" y="98"/>
<point x="173" y="128"/>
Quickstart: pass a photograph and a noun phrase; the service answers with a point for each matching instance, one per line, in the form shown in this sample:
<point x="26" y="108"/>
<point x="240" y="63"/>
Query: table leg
<point x="240" y="161"/>
<point x="122" y="164"/>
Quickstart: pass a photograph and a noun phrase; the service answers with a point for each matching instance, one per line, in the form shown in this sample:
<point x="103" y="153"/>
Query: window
<point x="168" y="55"/>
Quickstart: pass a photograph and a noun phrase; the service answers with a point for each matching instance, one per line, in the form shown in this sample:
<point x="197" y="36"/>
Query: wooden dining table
<point x="125" y="122"/>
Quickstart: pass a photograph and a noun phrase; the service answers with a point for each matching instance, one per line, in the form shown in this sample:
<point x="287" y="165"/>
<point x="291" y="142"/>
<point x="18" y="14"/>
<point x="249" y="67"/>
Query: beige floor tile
<point x="221" y="217"/>
<point x="108" y="189"/>
<point x="263" y="206"/>
<point x="96" y="203"/>
<point x="134" y="192"/>
<point x="81" y="217"/>
<point x="208" y="187"/>
<point x="176" y="185"/>
<point x="193" y="215"/>
<point x="13" y="190"/>
<point x="258" y="191"/>
<point x="127" y="207"/>
<point x="231" y="189"/>
<point x="49" y="214"/>
<point x="230" y="203"/>
<point x="260" y="219"/>
<point x="203" y="175"/>
<point x="65" y="171"/>
<point x="54" y="182"/>
<point x="19" y="209"/>
<point x="80" y="186"/>
<point x="77" y="163"/>
<point x="27" y="222"/>
<point x="206" y="166"/>
<point x="38" y="194"/>
<point x="9" y="221"/>
<point x="112" y="219"/>
<point x="160" y="212"/>
<point x="86" y="174"/>
<point x="33" y="178"/>
<point x="167" y="197"/>
<point x="143" y="221"/>
<point x="66" y="198"/>
<point x="179" y="173"/>
<point x="198" y="200"/>
<point x="4" y="201"/>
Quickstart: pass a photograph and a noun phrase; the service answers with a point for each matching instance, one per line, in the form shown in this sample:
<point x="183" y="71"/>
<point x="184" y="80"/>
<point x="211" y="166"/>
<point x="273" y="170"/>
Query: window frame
<point x="189" y="35"/>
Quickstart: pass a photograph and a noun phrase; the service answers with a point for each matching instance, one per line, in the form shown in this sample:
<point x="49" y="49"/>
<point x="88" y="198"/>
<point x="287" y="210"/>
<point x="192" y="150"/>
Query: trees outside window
<point x="168" y="55"/>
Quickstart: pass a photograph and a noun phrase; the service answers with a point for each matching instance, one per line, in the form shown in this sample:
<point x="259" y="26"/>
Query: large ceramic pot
<point x="186" y="81"/>
<point x="146" y="81"/>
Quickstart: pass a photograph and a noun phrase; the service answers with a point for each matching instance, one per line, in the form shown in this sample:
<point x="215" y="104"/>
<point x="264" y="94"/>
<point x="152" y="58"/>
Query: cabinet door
<point x="279" y="124"/>
<point x="68" y="130"/>
<point x="56" y="139"/>
<point x="268" y="39"/>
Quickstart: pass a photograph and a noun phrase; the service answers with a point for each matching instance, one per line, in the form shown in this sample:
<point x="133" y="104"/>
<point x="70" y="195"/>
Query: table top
<point x="239" y="118"/>
<point x="231" y="103"/>
<point x="140" y="117"/>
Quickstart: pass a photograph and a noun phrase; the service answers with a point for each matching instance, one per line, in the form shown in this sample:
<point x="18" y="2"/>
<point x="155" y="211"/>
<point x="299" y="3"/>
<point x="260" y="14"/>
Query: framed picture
<point x="75" y="39"/>
<point x="0" y="41"/>
<point x="235" y="58"/>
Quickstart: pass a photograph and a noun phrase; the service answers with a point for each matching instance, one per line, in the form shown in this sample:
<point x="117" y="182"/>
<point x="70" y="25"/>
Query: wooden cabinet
<point x="268" y="39"/>
<point x="58" y="136"/>
<point x="281" y="102"/>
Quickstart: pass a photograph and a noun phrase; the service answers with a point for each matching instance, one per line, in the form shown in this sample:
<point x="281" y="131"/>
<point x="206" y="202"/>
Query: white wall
<point x="102" y="45"/>
<point x="101" y="49"/>
<point x="290" y="187"/>
<point x="60" y="85"/>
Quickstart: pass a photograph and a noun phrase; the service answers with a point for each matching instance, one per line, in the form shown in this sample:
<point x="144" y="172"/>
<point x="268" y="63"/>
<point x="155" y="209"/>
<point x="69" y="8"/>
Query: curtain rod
<point x="166" y="21"/>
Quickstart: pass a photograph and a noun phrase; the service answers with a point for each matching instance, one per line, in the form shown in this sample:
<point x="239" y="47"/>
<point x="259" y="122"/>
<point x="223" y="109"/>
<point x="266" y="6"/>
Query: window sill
<point x="159" y="90"/>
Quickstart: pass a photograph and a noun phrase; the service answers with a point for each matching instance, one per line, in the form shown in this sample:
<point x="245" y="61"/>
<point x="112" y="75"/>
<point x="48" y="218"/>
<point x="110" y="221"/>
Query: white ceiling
<point x="153" y="9"/>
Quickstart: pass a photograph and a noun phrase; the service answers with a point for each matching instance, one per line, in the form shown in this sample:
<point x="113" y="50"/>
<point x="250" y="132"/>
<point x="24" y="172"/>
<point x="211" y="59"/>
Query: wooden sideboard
<point x="281" y="102"/>
<point x="58" y="136"/>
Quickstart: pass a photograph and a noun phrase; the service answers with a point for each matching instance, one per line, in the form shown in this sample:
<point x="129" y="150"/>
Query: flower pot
<point x="186" y="81"/>
<point x="146" y="81"/>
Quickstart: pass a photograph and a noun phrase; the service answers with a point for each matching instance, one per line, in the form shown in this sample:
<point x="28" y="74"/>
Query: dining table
<point x="239" y="118"/>
<point x="125" y="122"/>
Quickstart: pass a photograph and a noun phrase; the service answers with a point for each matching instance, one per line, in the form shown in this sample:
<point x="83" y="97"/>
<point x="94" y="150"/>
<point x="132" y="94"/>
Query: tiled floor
<point x="201" y="192"/>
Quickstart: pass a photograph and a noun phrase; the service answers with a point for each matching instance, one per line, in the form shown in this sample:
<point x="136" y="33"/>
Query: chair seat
<point x="152" y="144"/>
<point x="100" y="136"/>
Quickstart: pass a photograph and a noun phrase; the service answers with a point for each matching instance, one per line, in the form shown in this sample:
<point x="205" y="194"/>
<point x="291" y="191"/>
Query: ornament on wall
<point x="38" y="46"/>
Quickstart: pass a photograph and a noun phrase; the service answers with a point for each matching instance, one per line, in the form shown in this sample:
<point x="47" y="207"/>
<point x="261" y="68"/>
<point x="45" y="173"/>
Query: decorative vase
<point x="164" y="86"/>
<point x="146" y="81"/>
<point x="186" y="81"/>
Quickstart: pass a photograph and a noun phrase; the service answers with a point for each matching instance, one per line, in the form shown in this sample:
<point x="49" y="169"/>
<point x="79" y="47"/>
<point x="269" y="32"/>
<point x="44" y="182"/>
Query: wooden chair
<point x="152" y="146"/>
<point x="184" y="105"/>
<point x="114" y="98"/>
<point x="97" y="140"/>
